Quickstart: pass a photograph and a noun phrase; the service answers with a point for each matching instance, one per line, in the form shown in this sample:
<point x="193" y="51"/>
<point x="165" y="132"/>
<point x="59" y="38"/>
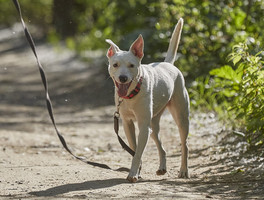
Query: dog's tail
<point x="174" y="42"/>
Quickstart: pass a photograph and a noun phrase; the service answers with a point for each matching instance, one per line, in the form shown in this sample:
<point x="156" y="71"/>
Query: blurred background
<point x="223" y="35"/>
<point x="211" y="27"/>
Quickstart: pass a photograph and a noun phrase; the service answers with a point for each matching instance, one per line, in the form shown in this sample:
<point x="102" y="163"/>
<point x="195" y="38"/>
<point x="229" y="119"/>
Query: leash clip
<point x="116" y="121"/>
<point x="117" y="115"/>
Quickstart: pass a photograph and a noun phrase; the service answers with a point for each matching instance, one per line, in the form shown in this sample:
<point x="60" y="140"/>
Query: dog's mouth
<point x="122" y="88"/>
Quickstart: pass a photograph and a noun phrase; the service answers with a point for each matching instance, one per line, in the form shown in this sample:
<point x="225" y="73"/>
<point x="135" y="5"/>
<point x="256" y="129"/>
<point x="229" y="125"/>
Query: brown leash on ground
<point x="50" y="108"/>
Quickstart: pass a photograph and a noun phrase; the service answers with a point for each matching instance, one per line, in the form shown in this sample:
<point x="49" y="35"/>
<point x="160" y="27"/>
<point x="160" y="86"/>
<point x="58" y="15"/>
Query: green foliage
<point x="202" y="93"/>
<point x="205" y="95"/>
<point x="34" y="12"/>
<point x="210" y="30"/>
<point x="249" y="104"/>
<point x="241" y="91"/>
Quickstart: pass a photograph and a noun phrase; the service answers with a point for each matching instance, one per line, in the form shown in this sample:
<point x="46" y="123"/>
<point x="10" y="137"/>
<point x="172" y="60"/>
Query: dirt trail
<point x="33" y="164"/>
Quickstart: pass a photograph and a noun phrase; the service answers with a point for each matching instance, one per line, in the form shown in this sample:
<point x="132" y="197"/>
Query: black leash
<point x="116" y="128"/>
<point x="48" y="101"/>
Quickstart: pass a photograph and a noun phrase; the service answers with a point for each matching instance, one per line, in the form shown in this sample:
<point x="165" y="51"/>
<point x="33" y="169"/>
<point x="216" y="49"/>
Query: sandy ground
<point x="33" y="164"/>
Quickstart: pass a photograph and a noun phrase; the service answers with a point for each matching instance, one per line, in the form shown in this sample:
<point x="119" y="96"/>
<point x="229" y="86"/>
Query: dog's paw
<point x="184" y="174"/>
<point x="132" y="179"/>
<point x="161" y="172"/>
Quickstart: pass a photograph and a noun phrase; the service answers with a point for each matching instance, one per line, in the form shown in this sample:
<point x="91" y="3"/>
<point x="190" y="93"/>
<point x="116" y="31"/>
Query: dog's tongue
<point x="122" y="89"/>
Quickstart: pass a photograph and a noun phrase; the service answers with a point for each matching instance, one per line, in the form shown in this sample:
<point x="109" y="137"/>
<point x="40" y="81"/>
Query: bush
<point x="34" y="12"/>
<point x="241" y="90"/>
<point x="210" y="29"/>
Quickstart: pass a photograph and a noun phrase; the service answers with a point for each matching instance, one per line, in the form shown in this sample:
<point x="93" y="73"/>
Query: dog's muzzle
<point x="122" y="88"/>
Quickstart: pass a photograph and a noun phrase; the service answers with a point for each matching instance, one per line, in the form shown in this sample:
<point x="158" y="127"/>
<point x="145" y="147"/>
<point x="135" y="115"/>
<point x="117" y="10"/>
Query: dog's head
<point x="124" y="65"/>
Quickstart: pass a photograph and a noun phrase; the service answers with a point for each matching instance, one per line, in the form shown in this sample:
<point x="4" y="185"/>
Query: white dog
<point x="142" y="92"/>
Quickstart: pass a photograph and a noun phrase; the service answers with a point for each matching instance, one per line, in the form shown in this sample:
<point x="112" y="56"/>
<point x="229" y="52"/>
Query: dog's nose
<point x="123" y="78"/>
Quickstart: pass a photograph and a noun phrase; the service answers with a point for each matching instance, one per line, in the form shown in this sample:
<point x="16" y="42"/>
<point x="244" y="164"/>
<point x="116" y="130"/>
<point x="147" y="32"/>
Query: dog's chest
<point x="127" y="112"/>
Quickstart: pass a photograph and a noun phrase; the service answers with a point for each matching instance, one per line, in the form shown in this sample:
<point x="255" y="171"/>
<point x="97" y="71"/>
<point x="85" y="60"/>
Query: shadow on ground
<point x="88" y="185"/>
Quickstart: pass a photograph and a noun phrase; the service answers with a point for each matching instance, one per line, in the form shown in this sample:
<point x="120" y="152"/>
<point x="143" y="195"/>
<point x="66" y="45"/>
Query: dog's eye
<point x="131" y="65"/>
<point x="115" y="65"/>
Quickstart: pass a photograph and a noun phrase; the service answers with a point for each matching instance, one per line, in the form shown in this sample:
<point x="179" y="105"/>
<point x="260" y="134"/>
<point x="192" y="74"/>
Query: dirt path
<point x="33" y="164"/>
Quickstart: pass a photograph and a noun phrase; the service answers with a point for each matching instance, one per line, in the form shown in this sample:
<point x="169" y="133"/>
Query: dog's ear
<point x="113" y="48"/>
<point x="137" y="47"/>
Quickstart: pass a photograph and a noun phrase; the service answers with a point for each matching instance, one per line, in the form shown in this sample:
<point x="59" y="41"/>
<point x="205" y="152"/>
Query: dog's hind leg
<point x="179" y="109"/>
<point x="156" y="137"/>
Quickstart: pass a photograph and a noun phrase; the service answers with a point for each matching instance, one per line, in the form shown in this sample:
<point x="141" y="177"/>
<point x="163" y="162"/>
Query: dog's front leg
<point x="129" y="129"/>
<point x="144" y="132"/>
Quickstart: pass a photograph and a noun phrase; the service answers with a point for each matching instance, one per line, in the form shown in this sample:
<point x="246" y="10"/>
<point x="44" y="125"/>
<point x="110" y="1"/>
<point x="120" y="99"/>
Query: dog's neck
<point x="135" y="91"/>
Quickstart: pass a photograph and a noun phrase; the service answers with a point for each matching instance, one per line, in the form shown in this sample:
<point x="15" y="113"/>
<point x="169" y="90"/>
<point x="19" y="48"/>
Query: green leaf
<point x="70" y="43"/>
<point x="157" y="26"/>
<point x="225" y="72"/>
<point x="236" y="59"/>
<point x="259" y="53"/>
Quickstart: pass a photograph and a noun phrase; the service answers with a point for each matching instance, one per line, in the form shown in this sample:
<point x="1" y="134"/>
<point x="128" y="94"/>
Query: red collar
<point x="135" y="91"/>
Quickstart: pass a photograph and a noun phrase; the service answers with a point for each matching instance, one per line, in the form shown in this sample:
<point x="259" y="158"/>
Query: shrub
<point x="242" y="87"/>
